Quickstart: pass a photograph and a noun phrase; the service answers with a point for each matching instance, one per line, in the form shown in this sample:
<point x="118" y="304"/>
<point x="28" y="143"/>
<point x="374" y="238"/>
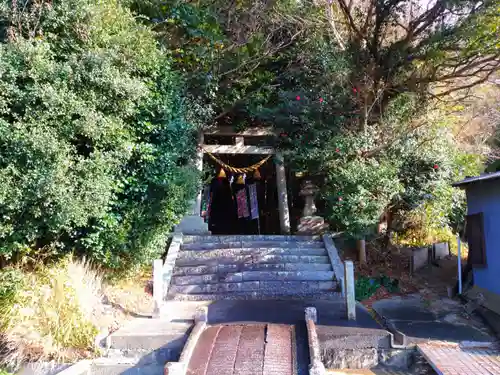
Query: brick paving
<point x="278" y="357"/>
<point x="374" y="371"/>
<point x="244" y="349"/>
<point x="251" y="350"/>
<point x="453" y="359"/>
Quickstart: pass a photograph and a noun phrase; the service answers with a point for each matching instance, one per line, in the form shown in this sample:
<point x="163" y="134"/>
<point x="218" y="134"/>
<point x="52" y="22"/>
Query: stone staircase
<point x="252" y="267"/>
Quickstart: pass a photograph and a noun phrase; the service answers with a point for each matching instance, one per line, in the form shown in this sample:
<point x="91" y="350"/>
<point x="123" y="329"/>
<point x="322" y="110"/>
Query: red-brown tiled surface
<point x="451" y="359"/>
<point x="250" y="349"/>
<point x="202" y="352"/>
<point x="278" y="358"/>
<point x="224" y="351"/>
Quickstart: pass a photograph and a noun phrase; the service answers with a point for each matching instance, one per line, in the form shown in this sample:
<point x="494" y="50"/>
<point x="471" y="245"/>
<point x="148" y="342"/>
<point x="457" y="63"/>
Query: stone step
<point x="254" y="276"/>
<point x="313" y="296"/>
<point x="249" y="251"/>
<point x="264" y="259"/>
<point x="150" y="334"/>
<point x="333" y="338"/>
<point x="262" y="237"/>
<point x="100" y="368"/>
<point x="263" y="287"/>
<point x="252" y="245"/>
<point x="378" y="370"/>
<point x="224" y="268"/>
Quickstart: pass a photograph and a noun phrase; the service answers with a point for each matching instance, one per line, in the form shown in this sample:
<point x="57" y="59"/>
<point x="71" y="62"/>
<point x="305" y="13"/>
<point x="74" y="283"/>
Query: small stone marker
<point x="440" y="251"/>
<point x="350" y="294"/>
<point x="311" y="314"/>
<point x="419" y="258"/>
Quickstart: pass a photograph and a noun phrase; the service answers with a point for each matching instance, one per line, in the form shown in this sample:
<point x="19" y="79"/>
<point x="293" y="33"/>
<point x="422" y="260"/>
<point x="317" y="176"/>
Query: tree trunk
<point x="361" y="245"/>
<point x="381" y="222"/>
<point x="388" y="232"/>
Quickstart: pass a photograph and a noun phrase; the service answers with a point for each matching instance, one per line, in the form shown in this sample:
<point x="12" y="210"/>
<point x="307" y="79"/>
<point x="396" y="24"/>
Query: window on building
<point x="475" y="239"/>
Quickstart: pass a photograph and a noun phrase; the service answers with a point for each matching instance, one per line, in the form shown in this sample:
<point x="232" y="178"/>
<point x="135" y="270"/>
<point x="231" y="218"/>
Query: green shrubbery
<point x="366" y="287"/>
<point x="93" y="141"/>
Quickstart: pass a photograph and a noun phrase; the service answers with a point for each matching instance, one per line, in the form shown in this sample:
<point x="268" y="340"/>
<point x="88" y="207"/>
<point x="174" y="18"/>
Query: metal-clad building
<point x="483" y="233"/>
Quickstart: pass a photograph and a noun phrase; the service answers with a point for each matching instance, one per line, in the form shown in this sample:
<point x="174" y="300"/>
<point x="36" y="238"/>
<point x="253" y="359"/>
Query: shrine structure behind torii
<point x="193" y="223"/>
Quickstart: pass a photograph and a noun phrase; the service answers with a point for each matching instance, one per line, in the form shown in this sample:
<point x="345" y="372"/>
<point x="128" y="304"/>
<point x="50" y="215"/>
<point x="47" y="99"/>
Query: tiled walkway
<point x="373" y="371"/>
<point x="252" y="349"/>
<point x="453" y="359"/>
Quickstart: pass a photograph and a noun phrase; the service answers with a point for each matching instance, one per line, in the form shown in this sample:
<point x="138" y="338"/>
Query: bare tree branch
<point x="331" y="20"/>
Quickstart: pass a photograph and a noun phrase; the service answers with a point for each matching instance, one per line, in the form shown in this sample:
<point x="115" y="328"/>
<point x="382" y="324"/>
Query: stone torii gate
<point x="193" y="223"/>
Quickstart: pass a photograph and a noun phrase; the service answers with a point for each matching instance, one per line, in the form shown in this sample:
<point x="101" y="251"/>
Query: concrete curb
<point x="493" y="345"/>
<point x="336" y="262"/>
<point x="79" y="368"/>
<point x="398" y="338"/>
<point x="316" y="366"/>
<point x="180" y="368"/>
<point x="163" y="276"/>
<point x="294" y="353"/>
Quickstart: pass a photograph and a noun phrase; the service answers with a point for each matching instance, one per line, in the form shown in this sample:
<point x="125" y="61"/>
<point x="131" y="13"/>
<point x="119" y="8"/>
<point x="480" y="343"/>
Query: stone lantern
<point x="308" y="191"/>
<point x="309" y="223"/>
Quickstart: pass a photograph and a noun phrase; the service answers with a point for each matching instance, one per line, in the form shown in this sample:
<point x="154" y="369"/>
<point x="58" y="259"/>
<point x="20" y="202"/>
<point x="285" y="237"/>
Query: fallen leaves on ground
<point x="394" y="263"/>
<point x="126" y="300"/>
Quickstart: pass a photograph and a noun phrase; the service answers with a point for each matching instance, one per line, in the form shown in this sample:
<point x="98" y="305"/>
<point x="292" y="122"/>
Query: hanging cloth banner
<point x="254" y="205"/>
<point x="242" y="204"/>
<point x="207" y="203"/>
<point x="229" y="168"/>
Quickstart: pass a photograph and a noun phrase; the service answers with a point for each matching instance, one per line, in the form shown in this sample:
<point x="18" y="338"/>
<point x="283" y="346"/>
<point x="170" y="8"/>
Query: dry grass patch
<point x="55" y="312"/>
<point x="49" y="313"/>
<point x="130" y="297"/>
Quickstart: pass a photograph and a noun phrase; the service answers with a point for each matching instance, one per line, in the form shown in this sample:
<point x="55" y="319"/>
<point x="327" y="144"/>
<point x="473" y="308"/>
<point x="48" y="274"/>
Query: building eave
<point x="472" y="180"/>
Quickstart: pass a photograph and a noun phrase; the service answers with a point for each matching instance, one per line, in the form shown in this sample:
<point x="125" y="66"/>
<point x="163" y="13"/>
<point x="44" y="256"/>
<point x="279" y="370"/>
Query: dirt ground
<point x="431" y="281"/>
<point x="125" y="300"/>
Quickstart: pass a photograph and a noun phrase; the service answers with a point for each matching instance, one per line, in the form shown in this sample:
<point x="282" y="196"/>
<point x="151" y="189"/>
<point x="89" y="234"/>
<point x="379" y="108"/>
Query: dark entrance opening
<point x="219" y="204"/>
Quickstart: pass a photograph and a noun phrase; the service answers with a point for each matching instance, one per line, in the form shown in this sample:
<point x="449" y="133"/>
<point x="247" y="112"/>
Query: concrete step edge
<point x="203" y="269"/>
<point x="180" y="297"/>
<point x="265" y="259"/>
<point x="262" y="237"/>
<point x="255" y="248"/>
<point x="262" y="287"/>
<point x="256" y="251"/>
<point x="252" y="244"/>
<point x="143" y="356"/>
<point x="151" y="334"/>
<point x="124" y="368"/>
<point x="254" y="276"/>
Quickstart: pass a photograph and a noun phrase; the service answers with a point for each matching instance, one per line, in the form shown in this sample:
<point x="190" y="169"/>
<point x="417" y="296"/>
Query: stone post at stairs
<point x="284" y="213"/>
<point x="309" y="223"/>
<point x="193" y="223"/>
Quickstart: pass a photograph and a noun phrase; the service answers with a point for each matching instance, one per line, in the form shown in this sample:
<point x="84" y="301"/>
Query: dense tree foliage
<point x="99" y="102"/>
<point x="352" y="86"/>
<point x="93" y="140"/>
